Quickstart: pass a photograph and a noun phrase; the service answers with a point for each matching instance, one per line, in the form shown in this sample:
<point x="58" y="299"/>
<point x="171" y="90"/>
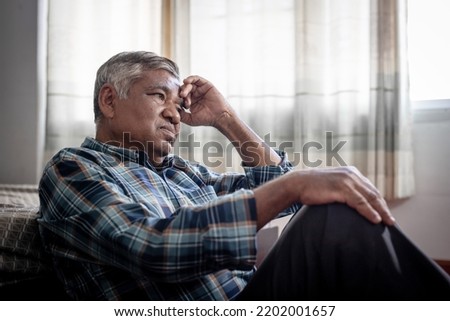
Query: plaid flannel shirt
<point x="116" y="226"/>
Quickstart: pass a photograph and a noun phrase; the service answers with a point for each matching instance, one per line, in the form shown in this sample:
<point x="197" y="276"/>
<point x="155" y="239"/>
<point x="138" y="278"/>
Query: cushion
<point x="21" y="252"/>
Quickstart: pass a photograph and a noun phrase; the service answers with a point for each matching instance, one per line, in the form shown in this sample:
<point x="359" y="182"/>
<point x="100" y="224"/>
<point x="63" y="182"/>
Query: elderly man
<point x="124" y="219"/>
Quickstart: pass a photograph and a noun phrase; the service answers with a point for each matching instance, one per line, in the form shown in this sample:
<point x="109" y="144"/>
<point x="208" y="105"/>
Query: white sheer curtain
<point x="352" y="81"/>
<point x="82" y="35"/>
<point x="247" y="49"/>
<point x="326" y="79"/>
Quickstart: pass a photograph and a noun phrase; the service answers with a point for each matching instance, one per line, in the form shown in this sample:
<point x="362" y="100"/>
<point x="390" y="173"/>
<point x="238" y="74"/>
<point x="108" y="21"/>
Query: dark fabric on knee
<point x="330" y="252"/>
<point x="427" y="280"/>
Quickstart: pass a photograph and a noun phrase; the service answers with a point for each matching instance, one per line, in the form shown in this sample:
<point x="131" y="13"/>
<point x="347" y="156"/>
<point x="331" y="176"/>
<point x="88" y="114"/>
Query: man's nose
<point x="171" y="111"/>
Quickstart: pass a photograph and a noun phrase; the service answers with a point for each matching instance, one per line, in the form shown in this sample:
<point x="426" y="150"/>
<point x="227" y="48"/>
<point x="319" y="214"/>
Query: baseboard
<point x="444" y="264"/>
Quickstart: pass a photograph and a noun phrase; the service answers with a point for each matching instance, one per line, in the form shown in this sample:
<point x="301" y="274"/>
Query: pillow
<point x="21" y="252"/>
<point x="18" y="196"/>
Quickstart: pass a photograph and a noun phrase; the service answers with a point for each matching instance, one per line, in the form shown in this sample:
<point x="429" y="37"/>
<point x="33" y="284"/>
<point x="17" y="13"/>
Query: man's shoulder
<point x="71" y="153"/>
<point x="81" y="155"/>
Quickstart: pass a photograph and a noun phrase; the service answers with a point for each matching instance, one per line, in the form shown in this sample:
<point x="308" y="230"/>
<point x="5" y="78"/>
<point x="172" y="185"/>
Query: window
<point x="429" y="52"/>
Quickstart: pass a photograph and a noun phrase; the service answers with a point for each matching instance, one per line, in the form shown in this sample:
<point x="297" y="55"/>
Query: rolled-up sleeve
<point x="257" y="176"/>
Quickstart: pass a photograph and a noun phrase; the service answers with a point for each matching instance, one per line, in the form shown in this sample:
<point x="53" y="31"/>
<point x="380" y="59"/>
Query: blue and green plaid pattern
<point x="115" y="225"/>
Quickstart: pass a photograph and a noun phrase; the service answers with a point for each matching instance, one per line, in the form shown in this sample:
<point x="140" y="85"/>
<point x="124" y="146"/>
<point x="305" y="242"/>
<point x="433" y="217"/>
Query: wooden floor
<point x="445" y="265"/>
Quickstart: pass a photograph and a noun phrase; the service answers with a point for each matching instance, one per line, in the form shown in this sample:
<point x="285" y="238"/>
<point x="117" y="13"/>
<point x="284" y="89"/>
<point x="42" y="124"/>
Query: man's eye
<point x="158" y="96"/>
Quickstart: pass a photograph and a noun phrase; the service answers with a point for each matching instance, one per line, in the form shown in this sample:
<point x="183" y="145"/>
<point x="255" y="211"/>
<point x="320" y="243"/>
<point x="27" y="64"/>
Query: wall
<point x="425" y="217"/>
<point x="21" y="135"/>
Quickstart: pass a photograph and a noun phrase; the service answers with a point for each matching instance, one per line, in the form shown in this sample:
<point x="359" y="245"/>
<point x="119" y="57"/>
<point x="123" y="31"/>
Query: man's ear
<point x="106" y="100"/>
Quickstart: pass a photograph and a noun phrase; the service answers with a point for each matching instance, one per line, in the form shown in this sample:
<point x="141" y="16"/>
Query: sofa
<point x="25" y="270"/>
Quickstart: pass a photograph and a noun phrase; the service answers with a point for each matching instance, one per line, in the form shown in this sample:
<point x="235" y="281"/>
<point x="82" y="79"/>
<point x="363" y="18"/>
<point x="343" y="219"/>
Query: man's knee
<point x="334" y="218"/>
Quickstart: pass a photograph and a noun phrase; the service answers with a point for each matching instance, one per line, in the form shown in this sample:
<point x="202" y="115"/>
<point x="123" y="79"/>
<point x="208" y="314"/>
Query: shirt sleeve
<point x="257" y="176"/>
<point x="86" y="215"/>
<point x="252" y="178"/>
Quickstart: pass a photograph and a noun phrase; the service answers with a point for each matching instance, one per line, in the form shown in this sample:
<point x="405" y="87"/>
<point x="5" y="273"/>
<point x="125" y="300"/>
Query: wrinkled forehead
<point x="160" y="78"/>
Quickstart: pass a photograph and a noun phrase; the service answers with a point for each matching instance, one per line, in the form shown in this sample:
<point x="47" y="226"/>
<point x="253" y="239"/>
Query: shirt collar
<point x="125" y="154"/>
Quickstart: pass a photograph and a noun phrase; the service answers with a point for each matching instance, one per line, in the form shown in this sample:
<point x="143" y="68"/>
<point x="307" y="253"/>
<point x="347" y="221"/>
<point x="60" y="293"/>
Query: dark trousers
<point x="330" y="252"/>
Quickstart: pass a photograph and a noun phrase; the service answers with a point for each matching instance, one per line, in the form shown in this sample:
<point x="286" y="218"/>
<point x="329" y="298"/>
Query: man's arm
<point x="321" y="186"/>
<point x="207" y="107"/>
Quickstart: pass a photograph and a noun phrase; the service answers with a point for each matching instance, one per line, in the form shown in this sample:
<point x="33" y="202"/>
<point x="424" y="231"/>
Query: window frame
<point x="431" y="104"/>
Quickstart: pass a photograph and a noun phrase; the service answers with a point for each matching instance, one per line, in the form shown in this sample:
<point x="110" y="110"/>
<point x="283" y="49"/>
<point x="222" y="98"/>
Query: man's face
<point x="149" y="119"/>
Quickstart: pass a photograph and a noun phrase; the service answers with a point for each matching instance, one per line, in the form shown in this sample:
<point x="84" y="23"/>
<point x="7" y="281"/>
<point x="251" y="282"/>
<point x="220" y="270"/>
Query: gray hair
<point x="124" y="68"/>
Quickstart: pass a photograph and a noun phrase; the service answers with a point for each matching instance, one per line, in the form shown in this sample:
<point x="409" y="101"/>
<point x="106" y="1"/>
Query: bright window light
<point x="429" y="49"/>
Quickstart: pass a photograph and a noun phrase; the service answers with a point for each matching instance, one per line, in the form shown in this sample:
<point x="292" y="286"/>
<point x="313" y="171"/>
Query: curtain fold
<point x="352" y="89"/>
<point x="390" y="117"/>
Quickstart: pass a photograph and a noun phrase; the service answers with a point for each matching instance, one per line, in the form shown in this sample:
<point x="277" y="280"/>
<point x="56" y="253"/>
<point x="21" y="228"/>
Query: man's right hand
<point x="322" y="186"/>
<point x="206" y="105"/>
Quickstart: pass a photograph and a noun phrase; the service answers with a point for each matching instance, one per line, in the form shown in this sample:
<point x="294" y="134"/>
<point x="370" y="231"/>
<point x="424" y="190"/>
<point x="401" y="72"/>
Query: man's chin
<point x="167" y="147"/>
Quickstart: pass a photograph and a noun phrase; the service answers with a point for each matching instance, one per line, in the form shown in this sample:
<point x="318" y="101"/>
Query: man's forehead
<point x="161" y="79"/>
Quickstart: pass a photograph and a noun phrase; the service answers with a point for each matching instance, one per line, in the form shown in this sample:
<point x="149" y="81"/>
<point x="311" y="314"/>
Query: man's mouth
<point x="170" y="132"/>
